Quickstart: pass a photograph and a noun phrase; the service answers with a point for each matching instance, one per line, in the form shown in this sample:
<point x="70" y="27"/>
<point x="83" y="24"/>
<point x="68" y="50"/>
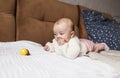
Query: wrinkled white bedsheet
<point x="41" y="64"/>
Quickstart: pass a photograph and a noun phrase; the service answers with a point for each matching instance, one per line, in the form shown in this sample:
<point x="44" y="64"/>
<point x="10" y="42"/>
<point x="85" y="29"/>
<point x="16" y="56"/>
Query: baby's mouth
<point x="59" y="38"/>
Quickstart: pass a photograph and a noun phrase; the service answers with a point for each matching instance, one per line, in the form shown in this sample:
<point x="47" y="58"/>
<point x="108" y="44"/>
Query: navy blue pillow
<point x="102" y="29"/>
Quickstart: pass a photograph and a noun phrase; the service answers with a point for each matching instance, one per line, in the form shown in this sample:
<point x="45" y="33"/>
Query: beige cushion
<point x="7" y="20"/>
<point x="35" y="30"/>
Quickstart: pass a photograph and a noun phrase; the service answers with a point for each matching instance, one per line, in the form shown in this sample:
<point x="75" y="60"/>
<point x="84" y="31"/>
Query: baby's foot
<point x="106" y="47"/>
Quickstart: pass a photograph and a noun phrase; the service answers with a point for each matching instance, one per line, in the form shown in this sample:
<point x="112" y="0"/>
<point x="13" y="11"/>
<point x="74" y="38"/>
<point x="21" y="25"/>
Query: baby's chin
<point x="67" y="40"/>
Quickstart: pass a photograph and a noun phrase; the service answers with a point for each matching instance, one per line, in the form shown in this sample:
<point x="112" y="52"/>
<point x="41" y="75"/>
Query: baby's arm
<point x="71" y="50"/>
<point x="46" y="48"/>
<point x="49" y="47"/>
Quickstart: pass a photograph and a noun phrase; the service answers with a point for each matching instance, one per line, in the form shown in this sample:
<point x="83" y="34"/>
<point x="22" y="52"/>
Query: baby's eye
<point x="54" y="34"/>
<point x="61" y="33"/>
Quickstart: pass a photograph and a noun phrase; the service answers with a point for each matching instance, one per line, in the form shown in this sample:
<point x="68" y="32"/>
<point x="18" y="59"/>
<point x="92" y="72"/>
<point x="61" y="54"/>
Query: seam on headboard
<point x="15" y="13"/>
<point x="17" y="20"/>
<point x="78" y="8"/>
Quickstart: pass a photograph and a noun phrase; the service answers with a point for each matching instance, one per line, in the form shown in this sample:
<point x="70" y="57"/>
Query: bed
<point x="28" y="24"/>
<point x="41" y="64"/>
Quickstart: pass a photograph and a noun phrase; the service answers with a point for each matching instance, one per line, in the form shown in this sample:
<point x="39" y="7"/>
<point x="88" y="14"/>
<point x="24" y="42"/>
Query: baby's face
<point x="62" y="32"/>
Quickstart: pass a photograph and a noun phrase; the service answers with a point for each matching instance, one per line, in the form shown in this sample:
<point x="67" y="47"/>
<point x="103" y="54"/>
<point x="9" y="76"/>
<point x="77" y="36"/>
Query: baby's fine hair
<point x="67" y="20"/>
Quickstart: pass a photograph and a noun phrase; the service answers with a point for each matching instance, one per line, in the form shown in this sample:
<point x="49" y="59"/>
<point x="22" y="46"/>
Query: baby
<point x="67" y="44"/>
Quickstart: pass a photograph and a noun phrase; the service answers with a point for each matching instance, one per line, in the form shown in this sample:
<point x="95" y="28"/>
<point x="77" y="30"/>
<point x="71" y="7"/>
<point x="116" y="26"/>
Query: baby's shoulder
<point x="75" y="39"/>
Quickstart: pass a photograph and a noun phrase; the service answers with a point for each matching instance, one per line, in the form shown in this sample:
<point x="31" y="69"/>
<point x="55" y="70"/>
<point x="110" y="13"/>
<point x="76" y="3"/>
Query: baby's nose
<point x="58" y="38"/>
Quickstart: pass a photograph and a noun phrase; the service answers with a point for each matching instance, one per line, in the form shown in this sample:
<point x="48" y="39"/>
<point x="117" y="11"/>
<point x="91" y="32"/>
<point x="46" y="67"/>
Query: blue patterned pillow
<point x="102" y="29"/>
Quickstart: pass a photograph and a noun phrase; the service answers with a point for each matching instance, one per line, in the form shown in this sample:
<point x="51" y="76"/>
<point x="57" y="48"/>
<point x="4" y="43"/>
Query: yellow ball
<point x="24" y="52"/>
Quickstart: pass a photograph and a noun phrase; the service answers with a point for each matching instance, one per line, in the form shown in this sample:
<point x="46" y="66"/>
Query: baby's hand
<point x="61" y="41"/>
<point x="46" y="48"/>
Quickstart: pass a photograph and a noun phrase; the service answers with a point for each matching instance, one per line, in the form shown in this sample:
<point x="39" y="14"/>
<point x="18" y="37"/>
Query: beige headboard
<point x="34" y="19"/>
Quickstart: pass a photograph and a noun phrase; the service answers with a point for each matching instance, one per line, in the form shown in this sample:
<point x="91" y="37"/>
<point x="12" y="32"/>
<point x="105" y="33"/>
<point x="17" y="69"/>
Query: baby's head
<point x="63" y="28"/>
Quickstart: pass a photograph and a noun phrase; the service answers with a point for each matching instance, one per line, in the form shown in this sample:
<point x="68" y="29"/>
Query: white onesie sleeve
<point x="51" y="47"/>
<point x="71" y="49"/>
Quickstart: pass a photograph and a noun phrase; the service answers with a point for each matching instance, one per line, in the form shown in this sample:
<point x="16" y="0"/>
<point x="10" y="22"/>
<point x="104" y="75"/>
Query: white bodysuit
<point x="72" y="49"/>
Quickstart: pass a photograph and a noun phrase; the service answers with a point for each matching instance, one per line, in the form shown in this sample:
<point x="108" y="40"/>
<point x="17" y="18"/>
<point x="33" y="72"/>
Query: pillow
<point x="102" y="29"/>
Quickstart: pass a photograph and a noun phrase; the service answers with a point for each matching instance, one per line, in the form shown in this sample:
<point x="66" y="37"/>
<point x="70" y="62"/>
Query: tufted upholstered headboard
<point x="7" y="20"/>
<point x="34" y="19"/>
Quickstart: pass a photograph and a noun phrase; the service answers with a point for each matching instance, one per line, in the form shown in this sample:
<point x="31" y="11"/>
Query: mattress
<point x="42" y="64"/>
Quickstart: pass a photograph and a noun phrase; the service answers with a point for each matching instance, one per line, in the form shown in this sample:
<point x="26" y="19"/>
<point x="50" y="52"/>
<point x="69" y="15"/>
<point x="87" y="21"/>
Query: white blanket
<point x="111" y="57"/>
<point x="41" y="64"/>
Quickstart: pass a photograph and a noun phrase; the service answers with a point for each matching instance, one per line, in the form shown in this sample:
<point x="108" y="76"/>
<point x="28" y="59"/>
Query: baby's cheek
<point x="67" y="39"/>
<point x="64" y="37"/>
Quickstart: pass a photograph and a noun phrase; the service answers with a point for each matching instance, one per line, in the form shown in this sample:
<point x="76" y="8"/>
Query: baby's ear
<point x="72" y="34"/>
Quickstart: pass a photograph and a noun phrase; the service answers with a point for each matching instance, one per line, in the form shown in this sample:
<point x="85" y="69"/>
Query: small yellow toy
<point x="24" y="52"/>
